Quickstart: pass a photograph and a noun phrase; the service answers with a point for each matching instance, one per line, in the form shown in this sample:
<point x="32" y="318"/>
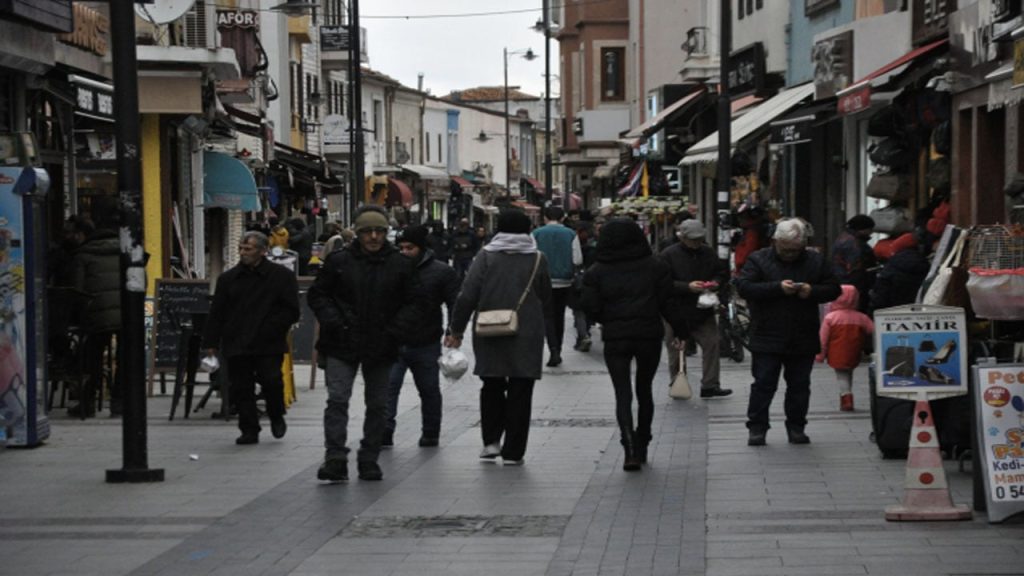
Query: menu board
<point x="1000" y="417"/>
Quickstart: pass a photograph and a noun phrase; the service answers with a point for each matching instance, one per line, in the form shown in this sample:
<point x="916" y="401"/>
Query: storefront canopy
<point x="228" y="183"/>
<point x="857" y="96"/>
<point x="399" y="193"/>
<point x="707" y="149"/>
<point x="656" y="122"/>
<point x="425" y="172"/>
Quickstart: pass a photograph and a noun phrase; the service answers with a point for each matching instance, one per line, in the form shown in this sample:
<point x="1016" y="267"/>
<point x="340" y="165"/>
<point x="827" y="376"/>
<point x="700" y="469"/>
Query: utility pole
<point x="547" y="107"/>
<point x="132" y="338"/>
<point x="723" y="183"/>
<point x="357" y="156"/>
<point x="508" y="136"/>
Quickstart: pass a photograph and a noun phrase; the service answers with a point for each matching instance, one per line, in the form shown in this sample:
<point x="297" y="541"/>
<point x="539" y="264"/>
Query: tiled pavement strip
<point x="707" y="504"/>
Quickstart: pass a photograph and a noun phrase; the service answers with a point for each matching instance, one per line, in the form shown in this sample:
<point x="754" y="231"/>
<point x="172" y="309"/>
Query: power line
<point x="425" y="16"/>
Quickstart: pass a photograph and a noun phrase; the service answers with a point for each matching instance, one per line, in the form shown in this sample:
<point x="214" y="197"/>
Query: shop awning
<point x="743" y="104"/>
<point x="462" y="182"/>
<point x="537" y="185"/>
<point x="707" y="149"/>
<point x="655" y="123"/>
<point x="425" y="172"/>
<point x="228" y="183"/>
<point x="525" y="206"/>
<point x="399" y="193"/>
<point x="604" y="171"/>
<point x="857" y="96"/>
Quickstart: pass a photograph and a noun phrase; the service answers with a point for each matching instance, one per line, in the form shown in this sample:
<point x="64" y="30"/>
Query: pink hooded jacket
<point x="843" y="331"/>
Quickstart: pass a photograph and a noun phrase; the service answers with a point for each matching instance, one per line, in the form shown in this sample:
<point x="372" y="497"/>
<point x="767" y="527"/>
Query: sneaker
<point x="846" y="403"/>
<point x="247" y="439"/>
<point x="555" y="360"/>
<point x="370" y="471"/>
<point x="797" y="436"/>
<point x="428" y="441"/>
<point x="757" y="438"/>
<point x="388" y="441"/>
<point x="507" y="462"/>
<point x="490" y="452"/>
<point x="333" y="471"/>
<point x="584" y="345"/>
<point x="278" y="427"/>
<point x="714" y="392"/>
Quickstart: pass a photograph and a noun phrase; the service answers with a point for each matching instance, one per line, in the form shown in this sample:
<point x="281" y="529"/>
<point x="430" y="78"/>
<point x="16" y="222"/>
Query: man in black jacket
<point x="440" y="285"/>
<point x="784" y="284"/>
<point x="254" y="306"/>
<point x="696" y="269"/>
<point x="365" y="299"/>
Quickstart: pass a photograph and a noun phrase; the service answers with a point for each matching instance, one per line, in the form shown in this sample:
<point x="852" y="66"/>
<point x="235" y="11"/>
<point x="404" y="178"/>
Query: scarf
<point x="513" y="243"/>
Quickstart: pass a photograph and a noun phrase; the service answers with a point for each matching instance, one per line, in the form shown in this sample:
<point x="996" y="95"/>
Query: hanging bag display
<point x="937" y="290"/>
<point x="996" y="277"/>
<point x="504" y="322"/>
<point x="888" y="187"/>
<point x="892" y="220"/>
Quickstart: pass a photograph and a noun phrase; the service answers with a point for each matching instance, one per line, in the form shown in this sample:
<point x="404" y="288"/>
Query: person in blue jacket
<point x="561" y="248"/>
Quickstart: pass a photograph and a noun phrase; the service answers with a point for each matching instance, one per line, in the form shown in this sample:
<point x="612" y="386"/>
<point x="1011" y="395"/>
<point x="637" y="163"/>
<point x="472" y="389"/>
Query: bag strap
<point x="529" y="284"/>
<point x="953" y="258"/>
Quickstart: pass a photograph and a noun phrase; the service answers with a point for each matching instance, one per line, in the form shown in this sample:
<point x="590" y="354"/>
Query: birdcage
<point x="996" y="266"/>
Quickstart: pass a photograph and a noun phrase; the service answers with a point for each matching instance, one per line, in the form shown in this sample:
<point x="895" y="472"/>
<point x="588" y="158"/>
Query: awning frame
<point x="656" y="122"/>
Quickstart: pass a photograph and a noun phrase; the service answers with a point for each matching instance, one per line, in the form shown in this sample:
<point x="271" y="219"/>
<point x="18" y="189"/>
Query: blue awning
<point x="227" y="183"/>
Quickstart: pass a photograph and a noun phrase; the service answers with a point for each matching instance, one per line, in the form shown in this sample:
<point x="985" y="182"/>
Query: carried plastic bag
<point x="707" y="300"/>
<point x="209" y="364"/>
<point x="454" y="364"/>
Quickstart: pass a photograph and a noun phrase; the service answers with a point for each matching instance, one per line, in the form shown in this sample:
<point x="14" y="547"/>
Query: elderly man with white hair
<point x="783" y="285"/>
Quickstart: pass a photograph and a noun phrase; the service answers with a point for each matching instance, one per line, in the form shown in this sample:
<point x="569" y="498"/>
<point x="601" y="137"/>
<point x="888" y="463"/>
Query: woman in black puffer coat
<point x="628" y="292"/>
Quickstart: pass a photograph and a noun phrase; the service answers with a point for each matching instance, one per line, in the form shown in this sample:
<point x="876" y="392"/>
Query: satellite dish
<point x="163" y="11"/>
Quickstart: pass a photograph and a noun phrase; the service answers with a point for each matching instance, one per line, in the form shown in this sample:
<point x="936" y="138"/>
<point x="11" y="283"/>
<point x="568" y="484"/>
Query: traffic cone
<point x="926" y="493"/>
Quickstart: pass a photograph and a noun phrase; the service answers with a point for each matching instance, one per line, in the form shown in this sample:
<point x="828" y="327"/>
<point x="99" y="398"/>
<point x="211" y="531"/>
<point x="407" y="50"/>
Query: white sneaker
<point x="490" y="452"/>
<point x="519" y="462"/>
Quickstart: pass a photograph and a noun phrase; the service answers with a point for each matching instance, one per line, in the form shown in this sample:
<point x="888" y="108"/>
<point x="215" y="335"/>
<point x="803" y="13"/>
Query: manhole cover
<point x="454" y="526"/>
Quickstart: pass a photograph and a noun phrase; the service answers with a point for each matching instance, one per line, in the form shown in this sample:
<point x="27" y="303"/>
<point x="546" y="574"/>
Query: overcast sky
<point x="455" y="53"/>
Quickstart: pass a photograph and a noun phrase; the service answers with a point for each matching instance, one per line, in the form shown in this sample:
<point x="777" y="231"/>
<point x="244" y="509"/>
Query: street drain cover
<point x="454" y="526"/>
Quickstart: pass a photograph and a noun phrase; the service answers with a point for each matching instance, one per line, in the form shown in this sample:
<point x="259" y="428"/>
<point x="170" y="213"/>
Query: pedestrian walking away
<point x="783" y="285"/>
<point x="464" y="245"/>
<point x="561" y="249"/>
<point x="254" y="306"/>
<point x="843" y="333"/>
<point x="853" y="260"/>
<point x="509" y="274"/>
<point x="629" y="292"/>
<point x="365" y="298"/>
<point x="697" y="271"/>
<point x="440" y="287"/>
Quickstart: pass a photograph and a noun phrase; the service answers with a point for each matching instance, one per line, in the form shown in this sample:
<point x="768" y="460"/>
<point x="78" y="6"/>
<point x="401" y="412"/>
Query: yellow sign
<point x="1018" y="63"/>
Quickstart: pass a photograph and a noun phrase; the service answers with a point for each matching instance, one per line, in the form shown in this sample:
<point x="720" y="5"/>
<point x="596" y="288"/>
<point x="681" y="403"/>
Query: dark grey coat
<point x="495" y="281"/>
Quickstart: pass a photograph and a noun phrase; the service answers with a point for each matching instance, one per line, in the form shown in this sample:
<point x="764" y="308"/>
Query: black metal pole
<point x="508" y="138"/>
<point x="547" y="107"/>
<point x="358" y="161"/>
<point x="723" y="184"/>
<point x="131" y="340"/>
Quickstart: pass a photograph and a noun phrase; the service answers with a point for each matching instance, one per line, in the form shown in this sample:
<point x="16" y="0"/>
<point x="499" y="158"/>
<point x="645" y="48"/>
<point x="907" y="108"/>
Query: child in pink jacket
<point x="842" y="339"/>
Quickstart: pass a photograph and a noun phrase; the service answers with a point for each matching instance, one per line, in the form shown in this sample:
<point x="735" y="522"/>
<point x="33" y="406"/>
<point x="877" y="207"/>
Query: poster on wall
<point x="13" y="387"/>
<point x="921" y="352"/>
<point x="999" y="405"/>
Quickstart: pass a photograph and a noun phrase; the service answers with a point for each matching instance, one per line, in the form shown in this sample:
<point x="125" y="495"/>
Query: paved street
<point x="707" y="504"/>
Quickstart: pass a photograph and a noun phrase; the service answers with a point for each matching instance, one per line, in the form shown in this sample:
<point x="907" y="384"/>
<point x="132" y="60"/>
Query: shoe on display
<point x="757" y="438"/>
<point x="333" y="471"/>
<point x="278" y="427"/>
<point x="370" y="471"/>
<point x="944" y="353"/>
<point x="490" y="452"/>
<point x="428" y="441"/>
<point x="846" y="403"/>
<point x="715" y="392"/>
<point x="245" y="439"/>
<point x="934" y="375"/>
<point x="797" y="436"/>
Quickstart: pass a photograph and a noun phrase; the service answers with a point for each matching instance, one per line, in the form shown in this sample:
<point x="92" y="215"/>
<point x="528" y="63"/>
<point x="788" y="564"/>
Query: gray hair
<point x="793" y="229"/>
<point x="256" y="236"/>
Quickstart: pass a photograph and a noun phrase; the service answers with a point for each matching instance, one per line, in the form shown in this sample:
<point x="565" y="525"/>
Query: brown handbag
<point x="503" y="322"/>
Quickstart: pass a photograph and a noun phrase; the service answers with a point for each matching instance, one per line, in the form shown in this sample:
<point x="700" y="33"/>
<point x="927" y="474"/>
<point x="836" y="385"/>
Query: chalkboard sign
<point x="176" y="301"/>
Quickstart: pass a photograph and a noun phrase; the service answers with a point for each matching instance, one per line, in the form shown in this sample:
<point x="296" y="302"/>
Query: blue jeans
<point x="341" y="375"/>
<point x="422" y="360"/>
<point x="766" y="369"/>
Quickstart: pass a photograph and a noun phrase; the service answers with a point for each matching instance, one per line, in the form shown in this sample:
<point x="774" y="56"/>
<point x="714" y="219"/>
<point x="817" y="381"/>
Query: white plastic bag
<point x="209" y="364"/>
<point x="707" y="300"/>
<point x="454" y="364"/>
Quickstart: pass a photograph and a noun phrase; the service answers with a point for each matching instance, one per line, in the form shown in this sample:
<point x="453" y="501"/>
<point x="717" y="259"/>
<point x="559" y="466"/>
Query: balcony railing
<point x="696" y="42"/>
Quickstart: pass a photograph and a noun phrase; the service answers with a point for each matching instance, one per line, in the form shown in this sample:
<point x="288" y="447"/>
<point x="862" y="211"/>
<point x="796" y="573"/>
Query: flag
<point x="644" y="180"/>
<point x="632" y="185"/>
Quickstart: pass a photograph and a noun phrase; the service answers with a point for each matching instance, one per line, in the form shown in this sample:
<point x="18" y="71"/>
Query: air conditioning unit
<point x="198" y="27"/>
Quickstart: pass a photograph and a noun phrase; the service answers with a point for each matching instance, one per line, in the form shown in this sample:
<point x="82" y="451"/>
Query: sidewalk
<point x="707" y="504"/>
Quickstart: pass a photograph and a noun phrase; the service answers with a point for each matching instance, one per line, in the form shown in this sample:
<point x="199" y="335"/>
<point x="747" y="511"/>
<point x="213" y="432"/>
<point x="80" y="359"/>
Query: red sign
<point x="855" y="101"/>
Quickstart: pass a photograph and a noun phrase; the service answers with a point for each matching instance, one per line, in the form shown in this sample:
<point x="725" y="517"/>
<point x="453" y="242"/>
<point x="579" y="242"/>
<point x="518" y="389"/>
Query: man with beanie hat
<point x="853" y="259"/>
<point x="440" y="286"/>
<point x="365" y="298"/>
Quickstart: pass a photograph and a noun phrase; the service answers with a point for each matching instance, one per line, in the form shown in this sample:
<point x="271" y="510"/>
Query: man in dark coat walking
<point x="853" y="260"/>
<point x="784" y="284"/>
<point x="440" y="285"/>
<point x="254" y="306"/>
<point x="365" y="298"/>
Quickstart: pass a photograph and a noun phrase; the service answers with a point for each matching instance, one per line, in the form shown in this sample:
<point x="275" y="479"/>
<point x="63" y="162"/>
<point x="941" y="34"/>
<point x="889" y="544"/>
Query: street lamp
<point x="544" y="26"/>
<point x="528" y="55"/>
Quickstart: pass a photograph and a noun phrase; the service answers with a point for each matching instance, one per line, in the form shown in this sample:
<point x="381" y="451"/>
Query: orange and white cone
<point x="926" y="494"/>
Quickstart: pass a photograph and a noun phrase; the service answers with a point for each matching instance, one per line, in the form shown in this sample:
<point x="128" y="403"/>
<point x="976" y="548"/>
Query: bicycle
<point x="733" y="325"/>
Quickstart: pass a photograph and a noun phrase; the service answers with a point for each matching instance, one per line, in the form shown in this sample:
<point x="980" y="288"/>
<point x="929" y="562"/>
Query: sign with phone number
<point x="1000" y="410"/>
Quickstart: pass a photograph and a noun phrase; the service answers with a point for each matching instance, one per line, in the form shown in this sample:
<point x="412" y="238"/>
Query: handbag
<point x="892" y="220"/>
<point x="503" y="322"/>
<point x="888" y="187"/>
<point x="936" y="293"/>
<point x="997" y="294"/>
<point x="680" y="389"/>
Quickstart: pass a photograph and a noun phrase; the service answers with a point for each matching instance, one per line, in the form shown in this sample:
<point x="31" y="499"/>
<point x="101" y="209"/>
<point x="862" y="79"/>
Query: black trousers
<point x="94" y="347"/>
<point x="554" y="325"/>
<point x="766" y="369"/>
<point x="618" y="357"/>
<point x="505" y="405"/>
<point x="244" y="372"/>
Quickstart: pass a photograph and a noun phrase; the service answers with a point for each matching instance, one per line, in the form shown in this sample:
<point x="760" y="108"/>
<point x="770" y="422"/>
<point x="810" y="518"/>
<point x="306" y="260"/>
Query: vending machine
<point x="23" y="245"/>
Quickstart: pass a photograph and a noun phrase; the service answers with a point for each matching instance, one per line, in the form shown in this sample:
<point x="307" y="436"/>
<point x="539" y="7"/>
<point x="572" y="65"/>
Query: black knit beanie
<point x="513" y="222"/>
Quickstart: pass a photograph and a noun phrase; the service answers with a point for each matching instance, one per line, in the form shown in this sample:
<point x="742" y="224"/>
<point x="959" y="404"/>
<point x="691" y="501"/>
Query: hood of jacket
<point x="101" y="242"/>
<point x="848" y="298"/>
<point x="621" y="239"/>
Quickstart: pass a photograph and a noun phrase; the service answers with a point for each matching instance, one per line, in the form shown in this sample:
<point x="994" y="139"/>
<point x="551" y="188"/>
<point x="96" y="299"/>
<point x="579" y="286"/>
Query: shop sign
<point x="336" y="130"/>
<point x="796" y="131"/>
<point x="238" y="19"/>
<point x="999" y="407"/>
<point x="1018" y="63"/>
<point x="833" y="64"/>
<point x="335" y="39"/>
<point x="91" y="33"/>
<point x="859" y="99"/>
<point x="930" y="19"/>
<point x="94" y="101"/>
<point x="921" y="352"/>
<point x="577" y="126"/>
<point x="747" y="70"/>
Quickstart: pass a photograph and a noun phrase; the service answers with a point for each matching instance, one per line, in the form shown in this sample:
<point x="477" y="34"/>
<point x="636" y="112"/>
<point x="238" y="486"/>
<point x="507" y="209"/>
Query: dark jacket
<point x="365" y="303"/>
<point x="688" y="265"/>
<point x="253" y="309"/>
<point x="440" y="245"/>
<point x="300" y="239"/>
<point x="852" y="260"/>
<point x="780" y="323"/>
<point x="440" y="285"/>
<point x="97" y="272"/>
<point x="628" y="290"/>
<point x="464" y="244"/>
<point x="900" y="279"/>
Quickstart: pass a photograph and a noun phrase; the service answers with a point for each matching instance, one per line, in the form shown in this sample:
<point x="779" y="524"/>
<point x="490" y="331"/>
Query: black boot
<point x="630" y="462"/>
<point x="642" y="440"/>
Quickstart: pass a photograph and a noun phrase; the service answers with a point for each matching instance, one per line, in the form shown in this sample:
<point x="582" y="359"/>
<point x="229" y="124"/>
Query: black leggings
<point x="618" y="357"/>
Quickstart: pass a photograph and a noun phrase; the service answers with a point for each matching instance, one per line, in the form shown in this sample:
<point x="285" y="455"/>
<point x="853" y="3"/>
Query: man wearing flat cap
<point x="440" y="287"/>
<point x="365" y="300"/>
<point x="696" y="269"/>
